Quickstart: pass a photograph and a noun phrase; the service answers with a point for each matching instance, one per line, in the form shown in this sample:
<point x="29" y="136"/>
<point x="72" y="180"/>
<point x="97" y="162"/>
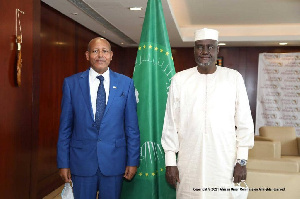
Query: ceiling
<point x="239" y="22"/>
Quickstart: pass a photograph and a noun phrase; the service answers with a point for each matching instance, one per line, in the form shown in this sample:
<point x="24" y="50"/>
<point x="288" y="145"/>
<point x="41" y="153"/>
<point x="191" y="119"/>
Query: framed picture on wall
<point x="219" y="61"/>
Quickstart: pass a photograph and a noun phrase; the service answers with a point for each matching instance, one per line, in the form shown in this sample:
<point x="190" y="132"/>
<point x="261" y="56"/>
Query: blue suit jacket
<point x="81" y="147"/>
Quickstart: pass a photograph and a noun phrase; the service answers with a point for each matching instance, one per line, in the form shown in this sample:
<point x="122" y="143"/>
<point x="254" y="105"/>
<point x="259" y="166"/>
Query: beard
<point x="205" y="64"/>
<point x="200" y="63"/>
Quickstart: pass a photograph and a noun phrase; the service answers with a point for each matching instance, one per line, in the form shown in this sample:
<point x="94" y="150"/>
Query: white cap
<point x="206" y="33"/>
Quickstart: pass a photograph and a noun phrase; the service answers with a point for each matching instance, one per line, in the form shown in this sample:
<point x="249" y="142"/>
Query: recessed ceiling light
<point x="283" y="43"/>
<point x="135" y="8"/>
<point x="74" y="13"/>
<point x="221" y="44"/>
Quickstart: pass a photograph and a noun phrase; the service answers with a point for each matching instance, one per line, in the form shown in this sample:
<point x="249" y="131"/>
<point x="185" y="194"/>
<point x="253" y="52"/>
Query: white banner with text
<point x="278" y="90"/>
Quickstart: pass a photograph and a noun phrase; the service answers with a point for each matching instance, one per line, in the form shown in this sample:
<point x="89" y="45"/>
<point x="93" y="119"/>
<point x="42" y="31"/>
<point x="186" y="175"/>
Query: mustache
<point x="205" y="56"/>
<point x="101" y="59"/>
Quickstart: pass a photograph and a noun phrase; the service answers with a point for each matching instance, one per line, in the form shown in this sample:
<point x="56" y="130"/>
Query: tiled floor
<point x="55" y="194"/>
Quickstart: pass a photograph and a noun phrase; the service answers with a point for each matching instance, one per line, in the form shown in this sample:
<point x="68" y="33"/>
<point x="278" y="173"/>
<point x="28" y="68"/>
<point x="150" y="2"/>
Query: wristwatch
<point x="242" y="162"/>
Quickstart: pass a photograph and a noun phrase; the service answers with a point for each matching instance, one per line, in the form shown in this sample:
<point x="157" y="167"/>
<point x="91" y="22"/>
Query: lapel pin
<point x="114" y="87"/>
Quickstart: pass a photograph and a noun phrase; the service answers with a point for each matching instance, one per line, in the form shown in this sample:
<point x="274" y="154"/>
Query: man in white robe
<point x="208" y="123"/>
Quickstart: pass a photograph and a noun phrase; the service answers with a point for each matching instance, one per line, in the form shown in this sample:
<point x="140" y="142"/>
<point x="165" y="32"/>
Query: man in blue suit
<point x="97" y="150"/>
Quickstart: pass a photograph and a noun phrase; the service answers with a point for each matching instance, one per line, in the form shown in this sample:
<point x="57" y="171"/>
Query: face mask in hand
<point x="67" y="192"/>
<point x="240" y="192"/>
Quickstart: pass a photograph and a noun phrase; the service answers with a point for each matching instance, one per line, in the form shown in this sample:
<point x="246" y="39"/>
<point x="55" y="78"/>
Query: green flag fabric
<point x="154" y="68"/>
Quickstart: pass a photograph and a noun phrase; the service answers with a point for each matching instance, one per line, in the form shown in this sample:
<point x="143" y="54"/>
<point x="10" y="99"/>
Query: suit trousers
<point x="86" y="187"/>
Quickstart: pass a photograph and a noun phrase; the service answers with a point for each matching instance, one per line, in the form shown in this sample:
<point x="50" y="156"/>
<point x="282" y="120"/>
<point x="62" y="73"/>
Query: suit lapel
<point x="113" y="88"/>
<point x="85" y="88"/>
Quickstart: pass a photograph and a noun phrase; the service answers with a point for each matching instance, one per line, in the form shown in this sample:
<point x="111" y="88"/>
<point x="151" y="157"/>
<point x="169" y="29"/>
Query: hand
<point x="65" y="174"/>
<point x="130" y="172"/>
<point x="172" y="175"/>
<point x="239" y="173"/>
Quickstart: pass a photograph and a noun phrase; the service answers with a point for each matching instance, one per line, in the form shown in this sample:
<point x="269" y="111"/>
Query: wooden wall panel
<point x="15" y="102"/>
<point x="58" y="60"/>
<point x="128" y="58"/>
<point x="117" y="63"/>
<point x="35" y="97"/>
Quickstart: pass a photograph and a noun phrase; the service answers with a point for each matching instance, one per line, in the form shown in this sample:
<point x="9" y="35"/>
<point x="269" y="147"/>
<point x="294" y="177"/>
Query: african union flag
<point x="154" y="68"/>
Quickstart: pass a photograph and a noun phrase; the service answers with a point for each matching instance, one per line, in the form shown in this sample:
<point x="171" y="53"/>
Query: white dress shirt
<point x="94" y="84"/>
